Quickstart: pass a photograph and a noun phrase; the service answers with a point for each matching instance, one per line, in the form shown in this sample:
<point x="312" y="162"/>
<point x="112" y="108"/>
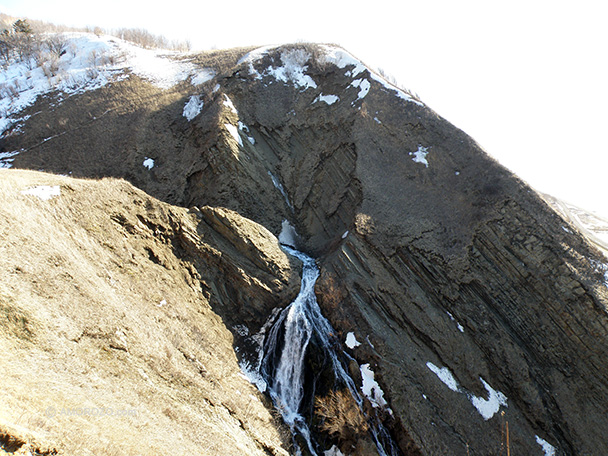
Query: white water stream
<point x="283" y="363"/>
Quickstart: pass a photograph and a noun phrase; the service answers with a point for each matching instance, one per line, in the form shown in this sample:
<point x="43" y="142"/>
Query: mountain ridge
<point x="464" y="288"/>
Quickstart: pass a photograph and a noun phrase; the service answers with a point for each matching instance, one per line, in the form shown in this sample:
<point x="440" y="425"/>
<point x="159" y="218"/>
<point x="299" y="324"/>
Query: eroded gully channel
<point x="299" y="333"/>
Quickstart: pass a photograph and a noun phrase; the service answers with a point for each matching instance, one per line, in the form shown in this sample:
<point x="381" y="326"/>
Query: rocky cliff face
<point x="478" y="310"/>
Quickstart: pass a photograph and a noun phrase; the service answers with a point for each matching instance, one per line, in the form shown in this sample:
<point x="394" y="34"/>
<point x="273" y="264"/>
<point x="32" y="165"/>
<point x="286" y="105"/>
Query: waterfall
<point x="284" y="354"/>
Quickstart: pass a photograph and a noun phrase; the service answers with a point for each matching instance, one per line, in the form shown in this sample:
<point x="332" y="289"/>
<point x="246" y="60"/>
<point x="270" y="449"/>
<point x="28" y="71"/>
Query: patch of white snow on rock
<point x="333" y="451"/>
<point x="419" y="156"/>
<point x="148" y="163"/>
<point x="193" y="107"/>
<point x="548" y="449"/>
<point x="351" y="341"/>
<point x="229" y="104"/>
<point x="6" y="160"/>
<point x="292" y="69"/>
<point x="234" y="131"/>
<point x="444" y="375"/>
<point x="245" y="129"/>
<point x="343" y="59"/>
<point x="201" y="77"/>
<point x="371" y="388"/>
<point x="329" y="99"/>
<point x="363" y="85"/>
<point x="487" y="408"/>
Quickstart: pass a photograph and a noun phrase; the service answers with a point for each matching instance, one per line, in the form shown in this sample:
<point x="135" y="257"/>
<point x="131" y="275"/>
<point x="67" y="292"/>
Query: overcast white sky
<point x="528" y="79"/>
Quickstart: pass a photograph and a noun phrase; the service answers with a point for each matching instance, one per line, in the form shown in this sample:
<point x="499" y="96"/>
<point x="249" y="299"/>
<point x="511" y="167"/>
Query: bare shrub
<point x="93" y="57"/>
<point x="50" y="67"/>
<point x="8" y="90"/>
<point x="341" y="416"/>
<point x="92" y="73"/>
<point x="56" y="44"/>
<point x="145" y="39"/>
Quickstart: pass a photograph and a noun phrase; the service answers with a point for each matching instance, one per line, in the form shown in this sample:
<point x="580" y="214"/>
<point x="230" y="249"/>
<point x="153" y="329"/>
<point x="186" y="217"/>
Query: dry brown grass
<point x="341" y="416"/>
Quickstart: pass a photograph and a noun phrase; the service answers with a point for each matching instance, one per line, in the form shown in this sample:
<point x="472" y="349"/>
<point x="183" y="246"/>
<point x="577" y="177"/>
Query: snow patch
<point x="6" y="160"/>
<point x="294" y="66"/>
<point x="333" y="451"/>
<point x="445" y="375"/>
<point x="201" y="77"/>
<point x="371" y="388"/>
<point x="157" y="66"/>
<point x="548" y="449"/>
<point x="193" y="107"/>
<point x="487" y="408"/>
<point x="345" y="234"/>
<point x="228" y="103"/>
<point x="363" y="85"/>
<point x="458" y="325"/>
<point x="292" y="69"/>
<point x="256" y="54"/>
<point x="420" y="155"/>
<point x="148" y="163"/>
<point x="329" y="99"/>
<point x="87" y="62"/>
<point x="351" y="341"/>
<point x="245" y="129"/>
<point x="288" y="235"/>
<point x="234" y="131"/>
<point x="44" y="192"/>
<point x="342" y="59"/>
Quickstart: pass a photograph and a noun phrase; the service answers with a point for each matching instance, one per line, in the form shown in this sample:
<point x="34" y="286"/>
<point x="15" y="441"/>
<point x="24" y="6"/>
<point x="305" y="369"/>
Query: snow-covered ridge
<point x="294" y="69"/>
<point x="86" y="62"/>
<point x="342" y="59"/>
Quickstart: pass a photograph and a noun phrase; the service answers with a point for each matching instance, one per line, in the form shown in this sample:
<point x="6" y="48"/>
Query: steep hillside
<point x="463" y="306"/>
<point x="109" y="342"/>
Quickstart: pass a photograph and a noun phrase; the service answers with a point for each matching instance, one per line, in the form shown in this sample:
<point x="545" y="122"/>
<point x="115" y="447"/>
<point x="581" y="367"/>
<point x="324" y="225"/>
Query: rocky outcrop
<point x="476" y="309"/>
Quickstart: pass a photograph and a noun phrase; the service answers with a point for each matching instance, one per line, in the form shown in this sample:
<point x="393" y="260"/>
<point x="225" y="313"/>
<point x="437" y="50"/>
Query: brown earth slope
<point x="108" y="343"/>
<point x="476" y="304"/>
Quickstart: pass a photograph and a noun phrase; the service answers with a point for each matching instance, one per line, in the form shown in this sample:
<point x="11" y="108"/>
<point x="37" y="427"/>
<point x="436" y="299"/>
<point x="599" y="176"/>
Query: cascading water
<point x="283" y="359"/>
